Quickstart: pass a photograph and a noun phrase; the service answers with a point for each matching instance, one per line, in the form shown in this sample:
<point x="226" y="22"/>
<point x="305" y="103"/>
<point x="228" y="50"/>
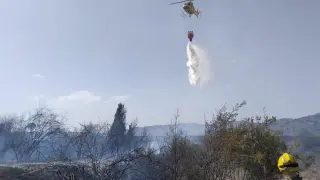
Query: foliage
<point x="117" y="131"/>
<point x="26" y="135"/>
<point x="232" y="148"/>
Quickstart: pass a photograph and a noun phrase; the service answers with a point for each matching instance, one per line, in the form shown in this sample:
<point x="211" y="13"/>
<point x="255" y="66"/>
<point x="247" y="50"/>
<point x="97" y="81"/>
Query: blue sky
<point x="82" y="57"/>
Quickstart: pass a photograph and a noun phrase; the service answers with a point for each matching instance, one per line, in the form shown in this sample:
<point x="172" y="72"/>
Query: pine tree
<point x="130" y="136"/>
<point x="118" y="128"/>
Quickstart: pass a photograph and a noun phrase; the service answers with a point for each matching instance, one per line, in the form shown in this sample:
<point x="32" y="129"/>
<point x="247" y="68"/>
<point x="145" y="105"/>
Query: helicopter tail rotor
<point x="197" y="13"/>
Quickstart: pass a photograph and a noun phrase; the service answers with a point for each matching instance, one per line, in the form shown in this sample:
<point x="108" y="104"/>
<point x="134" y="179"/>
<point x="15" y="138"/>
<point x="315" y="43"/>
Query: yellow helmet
<point x="287" y="163"/>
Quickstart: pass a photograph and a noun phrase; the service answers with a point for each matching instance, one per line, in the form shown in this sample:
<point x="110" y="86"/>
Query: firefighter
<point x="289" y="167"/>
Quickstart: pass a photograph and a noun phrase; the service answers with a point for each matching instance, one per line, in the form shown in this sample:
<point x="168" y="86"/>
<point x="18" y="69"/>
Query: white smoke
<point x="198" y="65"/>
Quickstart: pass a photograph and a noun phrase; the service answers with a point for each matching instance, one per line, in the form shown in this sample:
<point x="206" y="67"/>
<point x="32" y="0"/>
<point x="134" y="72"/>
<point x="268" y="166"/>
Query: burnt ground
<point x="43" y="172"/>
<point x="63" y="171"/>
<point x="313" y="173"/>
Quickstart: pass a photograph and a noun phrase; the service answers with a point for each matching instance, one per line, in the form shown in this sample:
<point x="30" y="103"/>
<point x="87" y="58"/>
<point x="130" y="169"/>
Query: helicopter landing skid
<point x="182" y="14"/>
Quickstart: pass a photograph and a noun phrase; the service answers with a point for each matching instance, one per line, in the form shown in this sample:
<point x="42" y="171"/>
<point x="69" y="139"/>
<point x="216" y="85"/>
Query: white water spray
<point x="198" y="65"/>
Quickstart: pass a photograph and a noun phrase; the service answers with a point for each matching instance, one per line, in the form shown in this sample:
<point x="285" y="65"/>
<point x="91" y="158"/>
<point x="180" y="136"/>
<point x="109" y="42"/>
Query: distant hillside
<point x="305" y="129"/>
<point x="305" y="126"/>
<point x="192" y="129"/>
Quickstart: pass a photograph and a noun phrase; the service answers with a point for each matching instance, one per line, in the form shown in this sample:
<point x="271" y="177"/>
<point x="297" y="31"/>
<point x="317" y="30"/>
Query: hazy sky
<point x="82" y="57"/>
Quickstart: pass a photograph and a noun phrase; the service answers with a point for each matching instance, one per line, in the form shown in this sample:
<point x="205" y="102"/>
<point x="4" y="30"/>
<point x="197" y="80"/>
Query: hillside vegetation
<point x="41" y="147"/>
<point x="305" y="130"/>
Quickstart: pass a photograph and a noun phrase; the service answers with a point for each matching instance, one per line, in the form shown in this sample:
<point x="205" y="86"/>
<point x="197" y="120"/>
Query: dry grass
<point x="49" y="172"/>
<point x="43" y="172"/>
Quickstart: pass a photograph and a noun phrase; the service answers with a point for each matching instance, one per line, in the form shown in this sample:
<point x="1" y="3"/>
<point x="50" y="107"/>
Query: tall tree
<point x="118" y="128"/>
<point x="130" y="136"/>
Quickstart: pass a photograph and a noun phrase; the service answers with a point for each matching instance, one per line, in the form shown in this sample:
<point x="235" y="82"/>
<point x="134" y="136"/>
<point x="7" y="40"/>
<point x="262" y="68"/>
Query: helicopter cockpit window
<point x="186" y="7"/>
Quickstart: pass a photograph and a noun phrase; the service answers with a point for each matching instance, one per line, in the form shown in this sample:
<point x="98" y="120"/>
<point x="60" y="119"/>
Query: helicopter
<point x="188" y="7"/>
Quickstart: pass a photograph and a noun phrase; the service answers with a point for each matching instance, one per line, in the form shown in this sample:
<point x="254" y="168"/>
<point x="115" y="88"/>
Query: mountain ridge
<point x="304" y="126"/>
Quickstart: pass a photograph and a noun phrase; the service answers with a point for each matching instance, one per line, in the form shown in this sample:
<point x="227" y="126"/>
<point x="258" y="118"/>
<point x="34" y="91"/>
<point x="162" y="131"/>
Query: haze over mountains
<point x="305" y="129"/>
<point x="306" y="126"/>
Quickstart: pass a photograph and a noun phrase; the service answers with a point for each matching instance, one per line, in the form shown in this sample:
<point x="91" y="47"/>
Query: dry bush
<point x="245" y="149"/>
<point x="6" y="130"/>
<point x="178" y="158"/>
<point x="94" y="148"/>
<point x="220" y="144"/>
<point x="25" y="136"/>
<point x="97" y="157"/>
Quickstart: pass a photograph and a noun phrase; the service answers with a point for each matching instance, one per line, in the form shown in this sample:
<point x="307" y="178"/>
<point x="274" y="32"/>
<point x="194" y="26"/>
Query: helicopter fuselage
<point x="189" y="8"/>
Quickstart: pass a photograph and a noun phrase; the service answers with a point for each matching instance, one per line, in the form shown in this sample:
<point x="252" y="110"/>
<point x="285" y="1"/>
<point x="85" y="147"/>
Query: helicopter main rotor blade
<point x="179" y="2"/>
